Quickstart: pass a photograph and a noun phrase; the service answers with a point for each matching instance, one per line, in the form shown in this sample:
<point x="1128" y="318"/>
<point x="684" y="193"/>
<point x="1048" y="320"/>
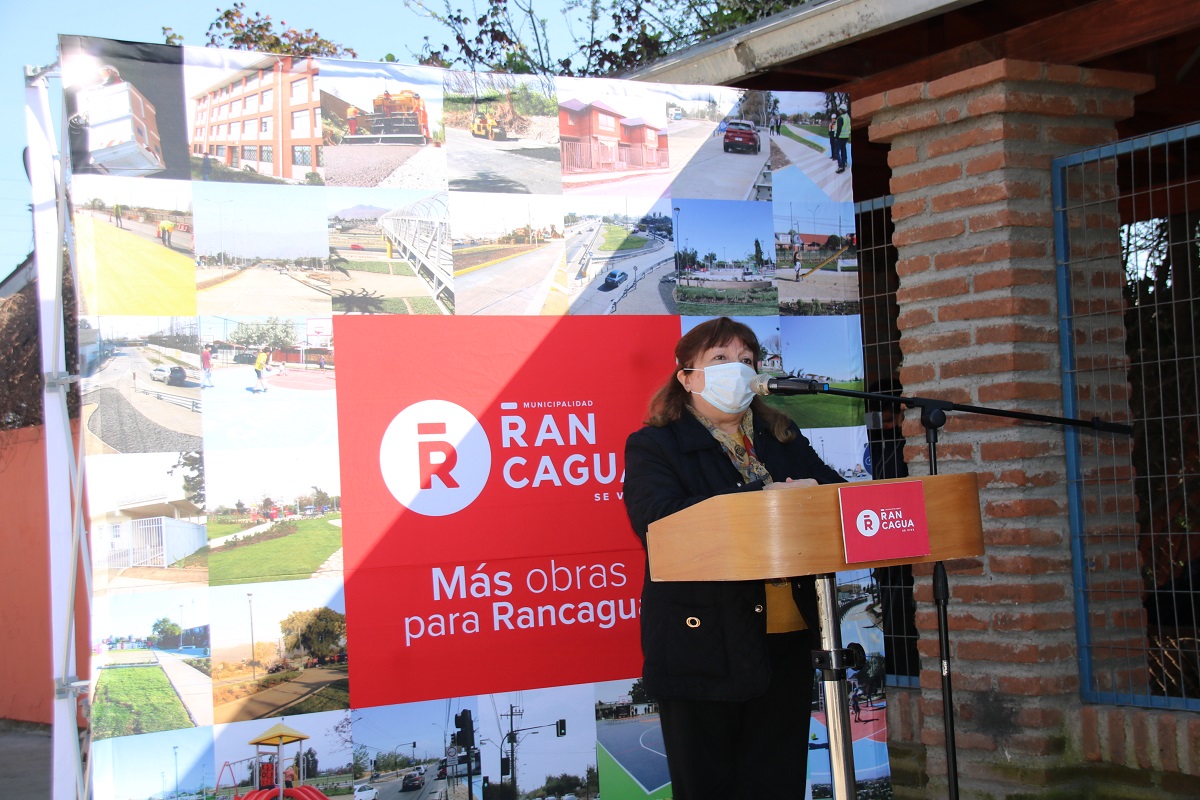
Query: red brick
<point x="906" y="236"/>
<point x="972" y="137"/>
<point x="1062" y="73"/>
<point x="1035" y="744"/>
<point x="1026" y="390"/>
<point x="1018" y="450"/>
<point x="1033" y="621"/>
<point x="1042" y="686"/>
<point x="1008" y="159"/>
<point x="914" y="265"/>
<point x="984" y="75"/>
<point x="976" y="196"/>
<point x="1165" y="728"/>
<point x="944" y="341"/>
<point x="1016" y="333"/>
<point x="1010" y="595"/>
<point x="950" y="287"/>
<point x="887" y="129"/>
<point x="906" y="95"/>
<point x="901" y="156"/>
<point x="867" y="106"/>
<point x="1028" y="565"/>
<point x="1006" y="362"/>
<point x="1016" y="276"/>
<point x="1010" y="218"/>
<point x="1021" y="537"/>
<point x="1089" y="719"/>
<point x="1141" y="735"/>
<point x="1024" y="508"/>
<point x="914" y="374"/>
<point x="1019" y="477"/>
<point x="908" y="208"/>
<point x="1000" y="307"/>
<point x="921" y="178"/>
<point x="1013" y="653"/>
<point x="990" y="253"/>
<point x="1084" y="137"/>
<point x="1115" y="740"/>
<point x="912" y="319"/>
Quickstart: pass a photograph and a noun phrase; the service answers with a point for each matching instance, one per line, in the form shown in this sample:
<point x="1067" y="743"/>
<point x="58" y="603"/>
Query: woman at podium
<point x="728" y="662"/>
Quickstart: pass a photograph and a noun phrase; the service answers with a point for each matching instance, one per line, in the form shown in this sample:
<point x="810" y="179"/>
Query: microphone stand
<point x="933" y="417"/>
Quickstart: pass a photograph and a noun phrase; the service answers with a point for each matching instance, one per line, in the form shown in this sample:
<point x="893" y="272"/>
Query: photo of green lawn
<point x="288" y="550"/>
<point x="136" y="699"/>
<point x="823" y="411"/>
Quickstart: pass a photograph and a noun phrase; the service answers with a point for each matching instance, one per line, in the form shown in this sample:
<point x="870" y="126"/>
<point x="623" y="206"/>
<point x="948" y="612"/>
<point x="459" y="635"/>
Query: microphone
<point x="764" y="384"/>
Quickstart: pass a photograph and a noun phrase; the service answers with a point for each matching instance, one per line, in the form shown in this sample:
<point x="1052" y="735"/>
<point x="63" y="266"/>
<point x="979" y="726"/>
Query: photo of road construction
<point x="133" y="241"/>
<point x="382" y="125"/>
<point x="508" y="252"/>
<point x="151" y="653"/>
<point x="620" y="256"/>
<point x="260" y="250"/>
<point x="502" y="133"/>
<point x="389" y="251"/>
<point x="146" y="514"/>
<point x="279" y="649"/>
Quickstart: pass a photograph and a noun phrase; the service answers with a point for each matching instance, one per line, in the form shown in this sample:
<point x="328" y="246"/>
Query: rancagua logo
<point x="867" y="522"/>
<point x="435" y="458"/>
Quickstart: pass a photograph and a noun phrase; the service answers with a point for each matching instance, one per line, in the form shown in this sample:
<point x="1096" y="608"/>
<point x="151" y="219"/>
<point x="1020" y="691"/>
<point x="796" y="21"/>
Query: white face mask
<point x="727" y="386"/>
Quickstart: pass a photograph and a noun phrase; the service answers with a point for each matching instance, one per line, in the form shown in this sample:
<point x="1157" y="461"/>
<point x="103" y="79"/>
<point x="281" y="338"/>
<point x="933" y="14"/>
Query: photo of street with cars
<point x="141" y="384"/>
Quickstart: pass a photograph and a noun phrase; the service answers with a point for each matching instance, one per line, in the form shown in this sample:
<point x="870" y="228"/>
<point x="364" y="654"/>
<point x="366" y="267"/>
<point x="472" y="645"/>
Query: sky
<point x="29" y="36"/>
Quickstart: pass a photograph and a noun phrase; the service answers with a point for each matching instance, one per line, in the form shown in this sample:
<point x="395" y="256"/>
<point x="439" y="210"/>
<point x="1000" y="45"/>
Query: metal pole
<point x="837" y="695"/>
<point x="69" y="777"/>
<point x="253" y="667"/>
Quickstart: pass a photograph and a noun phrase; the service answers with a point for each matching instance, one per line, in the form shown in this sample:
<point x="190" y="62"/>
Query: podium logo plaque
<point x="883" y="521"/>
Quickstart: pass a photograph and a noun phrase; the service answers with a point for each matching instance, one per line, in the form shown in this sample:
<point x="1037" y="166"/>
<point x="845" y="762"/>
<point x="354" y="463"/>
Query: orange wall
<point x="26" y="671"/>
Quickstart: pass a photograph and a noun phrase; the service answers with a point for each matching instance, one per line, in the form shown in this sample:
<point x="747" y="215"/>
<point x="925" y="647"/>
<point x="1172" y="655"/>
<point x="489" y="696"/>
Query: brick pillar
<point x="970" y="158"/>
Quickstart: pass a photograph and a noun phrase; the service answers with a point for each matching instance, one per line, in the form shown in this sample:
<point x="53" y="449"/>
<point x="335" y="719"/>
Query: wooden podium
<point x="793" y="532"/>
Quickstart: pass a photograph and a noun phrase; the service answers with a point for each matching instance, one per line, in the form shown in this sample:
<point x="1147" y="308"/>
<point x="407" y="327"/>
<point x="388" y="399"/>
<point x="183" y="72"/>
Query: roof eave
<point x="787" y="36"/>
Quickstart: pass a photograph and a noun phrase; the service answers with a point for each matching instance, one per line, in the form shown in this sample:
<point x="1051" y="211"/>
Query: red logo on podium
<point x="883" y="521"/>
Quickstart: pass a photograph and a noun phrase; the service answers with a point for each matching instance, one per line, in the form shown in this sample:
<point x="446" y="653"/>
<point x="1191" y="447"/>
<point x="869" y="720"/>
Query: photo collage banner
<point x="362" y="343"/>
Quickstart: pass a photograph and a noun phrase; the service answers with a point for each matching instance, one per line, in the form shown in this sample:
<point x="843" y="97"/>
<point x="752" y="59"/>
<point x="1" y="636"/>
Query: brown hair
<point x="670" y="403"/>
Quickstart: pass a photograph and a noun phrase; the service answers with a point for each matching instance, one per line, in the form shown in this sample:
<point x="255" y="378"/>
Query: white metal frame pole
<point x="68" y="776"/>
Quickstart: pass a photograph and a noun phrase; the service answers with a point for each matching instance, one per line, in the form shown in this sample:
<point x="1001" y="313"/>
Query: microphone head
<point x="760" y="384"/>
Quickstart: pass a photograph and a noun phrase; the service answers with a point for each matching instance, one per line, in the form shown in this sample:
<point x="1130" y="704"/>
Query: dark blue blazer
<point x="722" y="653"/>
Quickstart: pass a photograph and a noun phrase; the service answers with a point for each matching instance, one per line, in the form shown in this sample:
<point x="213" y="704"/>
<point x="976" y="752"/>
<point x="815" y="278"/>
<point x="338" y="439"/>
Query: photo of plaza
<point x="816" y="252"/>
<point x="726" y="256"/>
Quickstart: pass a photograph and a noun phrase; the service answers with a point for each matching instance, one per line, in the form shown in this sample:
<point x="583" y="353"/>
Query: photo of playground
<point x="260" y="250"/>
<point x="508" y="252"/>
<point x="389" y="251"/>
<point x="381" y="125"/>
<point x="134" y="245"/>
<point x="725" y="258"/>
<point x="146" y="515"/>
<point x="152" y="662"/>
<point x="817" y="274"/>
<point x="502" y="133"/>
<point x="279" y="649"/>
